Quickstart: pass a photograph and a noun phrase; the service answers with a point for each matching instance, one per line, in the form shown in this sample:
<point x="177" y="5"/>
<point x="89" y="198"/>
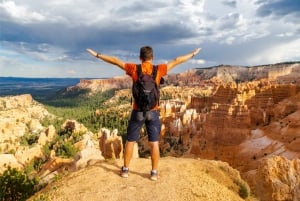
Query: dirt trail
<point x="181" y="179"/>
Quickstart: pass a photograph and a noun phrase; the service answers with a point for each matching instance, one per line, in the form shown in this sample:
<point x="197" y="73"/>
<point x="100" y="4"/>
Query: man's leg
<point x="154" y="150"/>
<point x="153" y="129"/>
<point x="128" y="152"/>
<point x="127" y="157"/>
<point x="133" y="130"/>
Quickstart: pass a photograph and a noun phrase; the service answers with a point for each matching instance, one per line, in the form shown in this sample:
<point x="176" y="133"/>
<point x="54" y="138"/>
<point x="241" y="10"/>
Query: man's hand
<point x="107" y="58"/>
<point x="196" y="51"/>
<point x="92" y="52"/>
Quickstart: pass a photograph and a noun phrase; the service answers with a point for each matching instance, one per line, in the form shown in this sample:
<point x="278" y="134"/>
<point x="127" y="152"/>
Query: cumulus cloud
<point x="20" y="13"/>
<point x="280" y="52"/>
<point x="278" y="8"/>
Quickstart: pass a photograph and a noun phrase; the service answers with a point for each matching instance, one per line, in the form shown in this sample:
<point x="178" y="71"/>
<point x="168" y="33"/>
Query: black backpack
<point x="145" y="90"/>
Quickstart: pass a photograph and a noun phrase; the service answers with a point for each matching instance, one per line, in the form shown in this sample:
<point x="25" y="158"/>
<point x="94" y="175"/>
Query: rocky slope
<point x="20" y="115"/>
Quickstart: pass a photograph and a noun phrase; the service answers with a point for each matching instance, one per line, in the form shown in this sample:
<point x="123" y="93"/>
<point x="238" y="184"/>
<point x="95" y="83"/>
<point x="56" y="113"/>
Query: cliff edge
<point x="180" y="179"/>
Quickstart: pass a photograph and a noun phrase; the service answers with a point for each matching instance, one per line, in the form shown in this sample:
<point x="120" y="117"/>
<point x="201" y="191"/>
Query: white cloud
<point x="71" y="72"/>
<point x="41" y="53"/>
<point x="277" y="53"/>
<point x="286" y="34"/>
<point x="21" y="13"/>
<point x="197" y="61"/>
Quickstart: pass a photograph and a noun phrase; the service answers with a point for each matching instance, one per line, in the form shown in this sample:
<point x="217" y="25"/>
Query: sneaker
<point x="124" y="172"/>
<point x="153" y="175"/>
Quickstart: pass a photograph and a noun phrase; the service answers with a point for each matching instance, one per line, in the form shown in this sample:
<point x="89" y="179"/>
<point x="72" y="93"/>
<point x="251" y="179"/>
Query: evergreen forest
<point x="82" y="108"/>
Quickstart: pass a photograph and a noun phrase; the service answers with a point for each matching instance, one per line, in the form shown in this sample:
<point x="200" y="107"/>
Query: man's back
<point x="147" y="68"/>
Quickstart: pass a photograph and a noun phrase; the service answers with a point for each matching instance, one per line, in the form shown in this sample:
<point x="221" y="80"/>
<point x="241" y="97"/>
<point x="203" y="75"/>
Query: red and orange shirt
<point x="131" y="70"/>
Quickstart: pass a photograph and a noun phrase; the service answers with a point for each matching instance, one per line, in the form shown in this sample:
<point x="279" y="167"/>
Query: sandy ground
<point x="180" y="179"/>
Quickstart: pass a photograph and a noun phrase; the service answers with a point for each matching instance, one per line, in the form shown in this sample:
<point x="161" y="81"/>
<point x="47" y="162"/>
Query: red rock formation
<point x="227" y="124"/>
<point x="110" y="144"/>
<point x="100" y="85"/>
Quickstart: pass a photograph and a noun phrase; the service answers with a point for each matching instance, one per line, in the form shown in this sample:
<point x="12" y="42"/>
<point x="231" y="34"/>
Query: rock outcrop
<point x="278" y="178"/>
<point x="20" y="124"/>
<point x="88" y="153"/>
<point x="73" y="126"/>
<point x="110" y="144"/>
<point x="20" y="116"/>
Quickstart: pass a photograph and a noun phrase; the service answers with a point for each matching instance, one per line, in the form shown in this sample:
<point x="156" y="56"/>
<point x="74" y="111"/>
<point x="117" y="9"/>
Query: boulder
<point x="89" y="152"/>
<point x="278" y="179"/>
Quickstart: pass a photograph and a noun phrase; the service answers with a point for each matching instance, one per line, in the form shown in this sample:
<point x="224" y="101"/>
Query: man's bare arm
<point x="181" y="59"/>
<point x="108" y="59"/>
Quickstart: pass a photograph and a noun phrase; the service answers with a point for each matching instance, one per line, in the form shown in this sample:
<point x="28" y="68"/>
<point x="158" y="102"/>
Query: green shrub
<point x="243" y="190"/>
<point x="66" y="150"/>
<point x="15" y="185"/>
<point x="34" y="165"/>
<point x="29" y="139"/>
<point x="47" y="150"/>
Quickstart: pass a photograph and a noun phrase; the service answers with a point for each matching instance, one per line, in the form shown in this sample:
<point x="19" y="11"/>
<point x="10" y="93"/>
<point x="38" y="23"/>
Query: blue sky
<point x="49" y="38"/>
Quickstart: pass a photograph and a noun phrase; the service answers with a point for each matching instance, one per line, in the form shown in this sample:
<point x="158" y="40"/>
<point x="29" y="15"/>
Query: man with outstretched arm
<point x="138" y="118"/>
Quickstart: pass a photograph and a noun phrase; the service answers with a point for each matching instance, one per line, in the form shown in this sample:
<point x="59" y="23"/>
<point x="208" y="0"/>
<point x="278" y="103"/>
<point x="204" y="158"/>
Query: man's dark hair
<point x="146" y="53"/>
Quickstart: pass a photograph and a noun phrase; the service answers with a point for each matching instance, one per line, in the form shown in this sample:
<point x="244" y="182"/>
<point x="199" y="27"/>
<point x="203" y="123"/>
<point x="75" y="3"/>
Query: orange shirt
<point x="131" y="70"/>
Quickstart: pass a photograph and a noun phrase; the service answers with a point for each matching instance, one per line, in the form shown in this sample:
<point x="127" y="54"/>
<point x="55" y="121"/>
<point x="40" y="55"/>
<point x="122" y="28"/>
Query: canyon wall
<point x="246" y="116"/>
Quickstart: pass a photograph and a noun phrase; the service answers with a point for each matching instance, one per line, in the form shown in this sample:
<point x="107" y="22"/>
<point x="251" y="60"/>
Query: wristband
<point x="98" y="55"/>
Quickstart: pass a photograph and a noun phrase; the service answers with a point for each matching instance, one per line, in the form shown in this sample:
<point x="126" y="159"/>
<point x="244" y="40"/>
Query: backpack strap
<point x="154" y="72"/>
<point x="139" y="70"/>
<point x="139" y="73"/>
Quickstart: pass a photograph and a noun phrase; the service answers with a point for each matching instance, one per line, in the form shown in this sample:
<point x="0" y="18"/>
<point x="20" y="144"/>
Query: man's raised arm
<point x="108" y="59"/>
<point x="180" y="59"/>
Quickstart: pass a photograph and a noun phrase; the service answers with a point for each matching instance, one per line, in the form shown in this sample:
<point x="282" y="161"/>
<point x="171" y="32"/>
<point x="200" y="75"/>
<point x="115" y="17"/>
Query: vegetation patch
<point x="15" y="185"/>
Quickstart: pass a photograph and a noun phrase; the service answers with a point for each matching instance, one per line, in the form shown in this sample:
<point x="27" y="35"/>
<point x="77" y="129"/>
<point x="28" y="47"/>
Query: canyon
<point x="247" y="117"/>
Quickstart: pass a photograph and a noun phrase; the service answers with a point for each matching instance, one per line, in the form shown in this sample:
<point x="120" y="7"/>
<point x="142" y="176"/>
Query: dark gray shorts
<point x="137" y="120"/>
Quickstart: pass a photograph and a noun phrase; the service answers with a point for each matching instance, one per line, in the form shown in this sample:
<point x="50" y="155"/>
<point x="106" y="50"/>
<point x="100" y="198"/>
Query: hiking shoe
<point x="153" y="175"/>
<point x="124" y="172"/>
